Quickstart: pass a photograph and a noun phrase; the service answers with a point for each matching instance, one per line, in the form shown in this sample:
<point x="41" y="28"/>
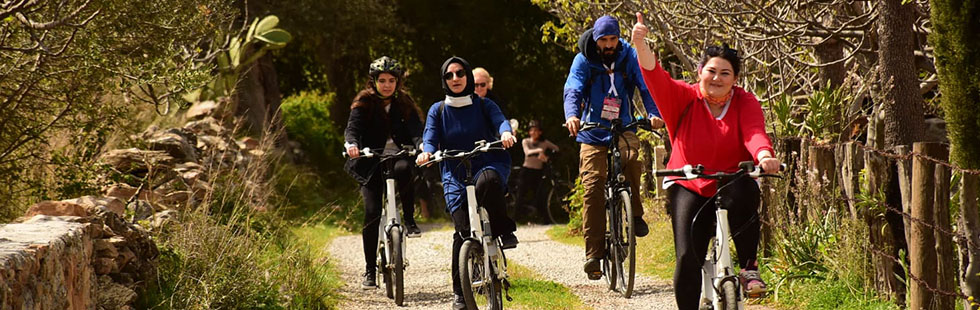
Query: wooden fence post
<point x="905" y="185"/>
<point x="821" y="177"/>
<point x="922" y="252"/>
<point x="851" y="162"/>
<point x="881" y="238"/>
<point x="944" y="239"/>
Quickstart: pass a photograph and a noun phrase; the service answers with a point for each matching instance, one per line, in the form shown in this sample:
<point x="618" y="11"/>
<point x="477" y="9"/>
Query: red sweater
<point x="718" y="144"/>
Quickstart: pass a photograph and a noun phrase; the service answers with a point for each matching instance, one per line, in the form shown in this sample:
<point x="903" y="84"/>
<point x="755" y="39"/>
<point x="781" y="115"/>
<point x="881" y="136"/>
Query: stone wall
<point x="93" y="252"/>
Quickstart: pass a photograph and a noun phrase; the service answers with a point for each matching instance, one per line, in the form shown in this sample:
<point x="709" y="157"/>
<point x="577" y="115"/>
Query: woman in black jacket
<point x="382" y="116"/>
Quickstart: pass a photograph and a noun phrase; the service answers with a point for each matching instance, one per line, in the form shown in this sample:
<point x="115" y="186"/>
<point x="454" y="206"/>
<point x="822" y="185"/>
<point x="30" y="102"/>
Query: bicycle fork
<point x="493" y="259"/>
<point x="718" y="267"/>
<point x="391" y="218"/>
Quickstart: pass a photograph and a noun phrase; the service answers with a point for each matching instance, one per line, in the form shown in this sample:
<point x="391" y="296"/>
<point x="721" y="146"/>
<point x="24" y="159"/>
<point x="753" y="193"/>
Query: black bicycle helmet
<point x="385" y="64"/>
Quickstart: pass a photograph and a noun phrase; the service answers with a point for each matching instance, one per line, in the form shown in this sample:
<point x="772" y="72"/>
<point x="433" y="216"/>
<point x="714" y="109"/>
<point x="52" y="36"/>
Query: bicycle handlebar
<point x="639" y="123"/>
<point x="689" y="172"/>
<point x="480" y="147"/>
<point x="369" y="153"/>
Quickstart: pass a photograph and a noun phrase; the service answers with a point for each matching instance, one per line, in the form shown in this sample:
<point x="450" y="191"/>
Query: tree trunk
<point x="259" y="97"/>
<point x="904" y="120"/>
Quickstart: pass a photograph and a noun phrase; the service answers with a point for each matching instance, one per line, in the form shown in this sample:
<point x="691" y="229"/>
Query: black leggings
<point x="490" y="194"/>
<point x="741" y="199"/>
<point x="530" y="182"/>
<point x="371" y="192"/>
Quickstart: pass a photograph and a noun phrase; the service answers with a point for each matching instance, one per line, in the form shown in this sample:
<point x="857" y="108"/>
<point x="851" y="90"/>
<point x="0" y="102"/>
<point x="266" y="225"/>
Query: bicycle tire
<point x="398" y="266"/>
<point x="384" y="270"/>
<point x="727" y="298"/>
<point x="628" y="277"/>
<point x="609" y="262"/>
<point x="470" y="268"/>
<point x="549" y="216"/>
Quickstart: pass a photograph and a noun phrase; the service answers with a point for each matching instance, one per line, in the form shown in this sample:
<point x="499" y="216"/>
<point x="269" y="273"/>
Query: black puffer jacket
<point x="370" y="126"/>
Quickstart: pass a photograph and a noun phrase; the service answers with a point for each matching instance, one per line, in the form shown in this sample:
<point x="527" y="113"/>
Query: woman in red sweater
<point x="716" y="124"/>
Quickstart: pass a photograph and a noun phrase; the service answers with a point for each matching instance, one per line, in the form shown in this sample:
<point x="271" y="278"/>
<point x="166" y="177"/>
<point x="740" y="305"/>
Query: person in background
<point x="536" y="151"/>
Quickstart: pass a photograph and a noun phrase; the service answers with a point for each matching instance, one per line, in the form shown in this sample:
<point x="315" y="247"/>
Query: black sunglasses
<point x="480" y="84"/>
<point x="449" y="75"/>
<point x="723" y="50"/>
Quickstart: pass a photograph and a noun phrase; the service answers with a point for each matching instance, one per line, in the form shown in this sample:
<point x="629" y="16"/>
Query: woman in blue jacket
<point x="456" y="123"/>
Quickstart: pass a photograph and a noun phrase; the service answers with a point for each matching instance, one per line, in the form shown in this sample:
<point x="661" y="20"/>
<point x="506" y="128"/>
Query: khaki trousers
<point x="593" y="170"/>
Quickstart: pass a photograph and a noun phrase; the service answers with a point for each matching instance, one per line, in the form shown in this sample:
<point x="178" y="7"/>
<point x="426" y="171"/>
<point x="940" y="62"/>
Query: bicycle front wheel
<point x="727" y="298"/>
<point x="625" y="245"/>
<point x="481" y="288"/>
<point x="397" y="267"/>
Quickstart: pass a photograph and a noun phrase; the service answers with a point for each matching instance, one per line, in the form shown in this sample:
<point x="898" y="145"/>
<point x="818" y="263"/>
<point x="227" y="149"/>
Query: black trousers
<point x="530" y="181"/>
<point x="371" y="192"/>
<point x="741" y="199"/>
<point x="490" y="194"/>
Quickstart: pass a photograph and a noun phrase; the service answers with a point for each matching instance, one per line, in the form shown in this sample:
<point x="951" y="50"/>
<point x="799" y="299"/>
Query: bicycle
<point x="620" y="234"/>
<point x="721" y="288"/>
<point x="549" y="201"/>
<point x="482" y="263"/>
<point x="391" y="235"/>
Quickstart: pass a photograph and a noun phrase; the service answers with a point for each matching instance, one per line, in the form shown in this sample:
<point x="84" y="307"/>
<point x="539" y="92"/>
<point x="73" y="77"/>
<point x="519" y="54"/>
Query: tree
<point x="74" y="66"/>
<point x="957" y="48"/>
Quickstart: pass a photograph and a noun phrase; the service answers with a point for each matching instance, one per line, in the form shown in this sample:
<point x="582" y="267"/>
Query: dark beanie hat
<point x="469" y="77"/>
<point x="604" y="26"/>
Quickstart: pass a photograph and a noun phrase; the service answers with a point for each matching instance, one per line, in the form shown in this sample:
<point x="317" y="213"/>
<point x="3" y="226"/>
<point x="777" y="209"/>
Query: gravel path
<point x="562" y="264"/>
<point x="428" y="283"/>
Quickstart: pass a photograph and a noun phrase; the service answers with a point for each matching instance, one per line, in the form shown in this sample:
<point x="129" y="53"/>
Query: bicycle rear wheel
<point x="625" y="245"/>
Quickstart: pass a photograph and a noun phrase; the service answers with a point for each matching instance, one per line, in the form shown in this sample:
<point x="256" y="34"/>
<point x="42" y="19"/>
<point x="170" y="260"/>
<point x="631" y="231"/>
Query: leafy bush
<point x="307" y="119"/>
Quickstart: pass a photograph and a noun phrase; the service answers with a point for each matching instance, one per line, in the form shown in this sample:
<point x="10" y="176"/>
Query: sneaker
<point x="459" y="303"/>
<point x="370" y="280"/>
<point x="508" y="241"/>
<point x="593" y="268"/>
<point x="752" y="283"/>
<point x="412" y="230"/>
<point x="640" y="226"/>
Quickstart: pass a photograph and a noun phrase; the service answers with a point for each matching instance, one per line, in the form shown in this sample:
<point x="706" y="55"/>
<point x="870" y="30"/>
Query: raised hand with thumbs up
<point x="643" y="54"/>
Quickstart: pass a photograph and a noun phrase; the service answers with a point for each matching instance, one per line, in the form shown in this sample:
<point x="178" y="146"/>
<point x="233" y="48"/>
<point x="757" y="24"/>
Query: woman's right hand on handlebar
<point x="353" y="152"/>
<point x="572" y="123"/>
<point x="422" y="158"/>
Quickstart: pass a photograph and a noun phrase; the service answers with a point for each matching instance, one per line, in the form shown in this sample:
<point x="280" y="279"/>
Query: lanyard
<point x="612" y="79"/>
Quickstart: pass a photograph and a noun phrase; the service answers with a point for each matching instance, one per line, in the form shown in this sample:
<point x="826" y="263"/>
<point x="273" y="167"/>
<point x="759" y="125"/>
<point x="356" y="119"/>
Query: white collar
<point x="458" y="102"/>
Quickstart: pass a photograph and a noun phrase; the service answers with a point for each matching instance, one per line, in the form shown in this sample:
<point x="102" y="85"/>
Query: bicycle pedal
<point x="413" y="236"/>
<point x="595" y="276"/>
<point x="755" y="295"/>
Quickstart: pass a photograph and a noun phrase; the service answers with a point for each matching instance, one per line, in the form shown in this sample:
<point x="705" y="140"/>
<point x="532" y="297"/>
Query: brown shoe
<point x="593" y="268"/>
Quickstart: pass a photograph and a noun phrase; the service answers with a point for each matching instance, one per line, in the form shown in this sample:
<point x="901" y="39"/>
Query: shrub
<point x="307" y="119"/>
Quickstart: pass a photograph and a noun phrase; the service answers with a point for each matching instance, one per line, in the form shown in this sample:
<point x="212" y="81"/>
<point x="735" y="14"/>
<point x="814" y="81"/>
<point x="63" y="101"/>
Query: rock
<point x="248" y="143"/>
<point x="162" y="219"/>
<point x="206" y="126"/>
<point x="56" y="208"/>
<point x="256" y="153"/>
<point x="178" y="143"/>
<point x="213" y="143"/>
<point x="177" y="198"/>
<point x="104" y="248"/>
<point x="201" y="109"/>
<point x="114" y="296"/>
<point x="104" y="265"/>
<point x="46" y="264"/>
<point x="124" y="257"/>
<point x="136" y="161"/>
<point x="113" y="204"/>
<point x="122" y="191"/>
<point x="142" y="209"/>
<point x="935" y="130"/>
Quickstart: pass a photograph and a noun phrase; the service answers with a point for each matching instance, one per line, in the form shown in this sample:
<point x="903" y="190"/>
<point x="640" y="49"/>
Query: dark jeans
<point x="490" y="194"/>
<point x="741" y="199"/>
<point x="371" y="192"/>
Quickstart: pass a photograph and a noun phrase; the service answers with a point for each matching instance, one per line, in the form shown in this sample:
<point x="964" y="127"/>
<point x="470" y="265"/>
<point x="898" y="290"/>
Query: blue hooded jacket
<point x="588" y="84"/>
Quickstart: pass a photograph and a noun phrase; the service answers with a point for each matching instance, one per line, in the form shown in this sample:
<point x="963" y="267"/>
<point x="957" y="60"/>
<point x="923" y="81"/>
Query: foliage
<point x="576" y="201"/>
<point x="957" y="48"/>
<point x="306" y="116"/>
<point x="76" y="68"/>
<point x="261" y="37"/>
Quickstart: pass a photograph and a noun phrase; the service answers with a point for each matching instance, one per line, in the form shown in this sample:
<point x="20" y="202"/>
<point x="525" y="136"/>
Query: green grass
<point x="560" y="233"/>
<point x="830" y="294"/>
<point x="530" y="292"/>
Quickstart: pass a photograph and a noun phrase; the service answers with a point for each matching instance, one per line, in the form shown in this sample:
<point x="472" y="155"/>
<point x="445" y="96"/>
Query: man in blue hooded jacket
<point x="600" y="88"/>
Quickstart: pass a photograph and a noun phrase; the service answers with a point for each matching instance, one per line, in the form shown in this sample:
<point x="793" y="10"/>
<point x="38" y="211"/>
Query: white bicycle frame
<point x="718" y="266"/>
<point x="479" y="218"/>
<point x="389" y="214"/>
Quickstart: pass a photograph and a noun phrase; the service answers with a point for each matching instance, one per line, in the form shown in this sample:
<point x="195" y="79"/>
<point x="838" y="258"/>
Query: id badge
<point x="610" y="108"/>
